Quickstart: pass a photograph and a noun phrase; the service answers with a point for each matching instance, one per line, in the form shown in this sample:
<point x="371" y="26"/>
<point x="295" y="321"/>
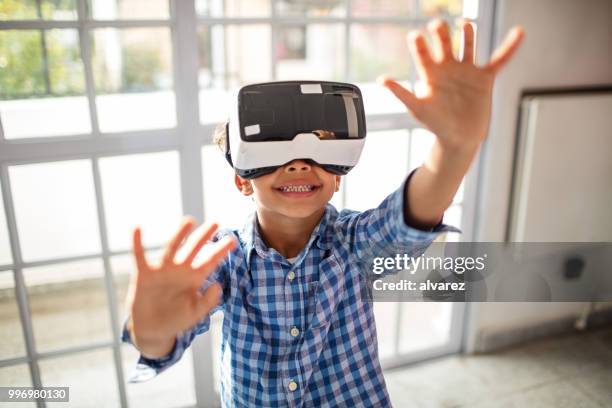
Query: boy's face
<point x="297" y="189"/>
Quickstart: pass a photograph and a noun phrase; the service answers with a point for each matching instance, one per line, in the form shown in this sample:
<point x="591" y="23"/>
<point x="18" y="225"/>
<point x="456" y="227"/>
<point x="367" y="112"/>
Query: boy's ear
<point x="338" y="178"/>
<point x="243" y="185"/>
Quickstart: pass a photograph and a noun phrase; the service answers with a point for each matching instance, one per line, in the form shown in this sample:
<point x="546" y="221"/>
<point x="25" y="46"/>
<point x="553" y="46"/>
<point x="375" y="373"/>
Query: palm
<point x="165" y="300"/>
<point x="455" y="101"/>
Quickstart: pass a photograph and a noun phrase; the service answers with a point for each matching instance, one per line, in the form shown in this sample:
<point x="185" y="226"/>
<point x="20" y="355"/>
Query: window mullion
<point x="85" y="48"/>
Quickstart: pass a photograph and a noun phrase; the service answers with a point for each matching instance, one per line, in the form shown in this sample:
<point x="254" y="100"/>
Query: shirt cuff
<point x="147" y="368"/>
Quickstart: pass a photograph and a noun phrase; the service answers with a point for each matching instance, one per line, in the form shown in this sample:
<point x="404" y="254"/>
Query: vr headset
<point x="275" y="123"/>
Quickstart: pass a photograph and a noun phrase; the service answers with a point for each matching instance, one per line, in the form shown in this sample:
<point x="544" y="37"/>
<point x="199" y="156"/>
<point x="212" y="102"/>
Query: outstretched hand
<point x="164" y="300"/>
<point x="456" y="100"/>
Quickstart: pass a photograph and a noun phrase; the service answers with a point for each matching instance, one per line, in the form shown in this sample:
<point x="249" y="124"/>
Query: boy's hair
<point x="220" y="136"/>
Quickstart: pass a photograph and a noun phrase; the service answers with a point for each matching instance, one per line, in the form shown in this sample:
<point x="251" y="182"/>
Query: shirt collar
<point x="253" y="241"/>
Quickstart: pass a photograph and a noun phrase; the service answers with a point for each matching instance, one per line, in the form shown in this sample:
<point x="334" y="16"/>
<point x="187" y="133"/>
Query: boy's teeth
<point x="297" y="189"/>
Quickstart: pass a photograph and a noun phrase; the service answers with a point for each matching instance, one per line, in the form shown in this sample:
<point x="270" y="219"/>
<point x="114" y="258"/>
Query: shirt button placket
<point x="294" y="331"/>
<point x="291" y="276"/>
<point x="292" y="386"/>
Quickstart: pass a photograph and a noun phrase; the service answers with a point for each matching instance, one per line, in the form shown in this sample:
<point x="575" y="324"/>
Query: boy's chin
<point x="302" y="211"/>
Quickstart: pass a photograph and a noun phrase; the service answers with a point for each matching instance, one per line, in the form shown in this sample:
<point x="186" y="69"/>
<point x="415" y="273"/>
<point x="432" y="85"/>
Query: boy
<point x="296" y="330"/>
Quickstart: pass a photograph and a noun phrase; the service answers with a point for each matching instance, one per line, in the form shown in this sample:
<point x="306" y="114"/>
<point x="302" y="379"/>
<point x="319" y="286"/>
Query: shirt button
<point x="292" y="386"/>
<point x="295" y="331"/>
<point x="291" y="275"/>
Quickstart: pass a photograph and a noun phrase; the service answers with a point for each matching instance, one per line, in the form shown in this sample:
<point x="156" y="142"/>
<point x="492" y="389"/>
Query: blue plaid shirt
<point x="303" y="334"/>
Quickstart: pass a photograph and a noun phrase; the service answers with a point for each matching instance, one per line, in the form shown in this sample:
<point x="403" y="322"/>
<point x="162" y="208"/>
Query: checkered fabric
<point x="303" y="334"/>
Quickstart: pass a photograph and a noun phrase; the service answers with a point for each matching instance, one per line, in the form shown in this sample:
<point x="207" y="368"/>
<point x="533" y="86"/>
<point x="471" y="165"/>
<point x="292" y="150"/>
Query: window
<point x="107" y="108"/>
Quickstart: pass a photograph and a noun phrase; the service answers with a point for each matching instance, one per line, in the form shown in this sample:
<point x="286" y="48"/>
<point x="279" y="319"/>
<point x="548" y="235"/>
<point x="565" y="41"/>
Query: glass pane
<point x="41" y="76"/>
<point x="173" y="388"/>
<point x="33" y="9"/>
<point x="373" y="179"/>
<point x="11" y="333"/>
<point x="68" y="304"/>
<point x="90" y="376"/>
<point x="395" y="8"/>
<point x="385" y="314"/>
<point x="452" y="216"/>
<point x="378" y="49"/>
<point x="233" y="8"/>
<point x="223" y="202"/>
<point x="6" y="257"/>
<point x="144" y="190"/>
<point x="55" y="208"/>
<point x="441" y="7"/>
<point x="421" y="142"/>
<point x="129" y="9"/>
<point x="424" y="325"/>
<point x="133" y="77"/>
<point x="314" y="51"/>
<point x="319" y="8"/>
<point x="236" y="55"/>
<point x="17" y="376"/>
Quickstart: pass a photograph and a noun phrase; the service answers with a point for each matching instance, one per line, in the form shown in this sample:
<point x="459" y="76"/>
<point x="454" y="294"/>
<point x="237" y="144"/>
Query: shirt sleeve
<point x="384" y="231"/>
<point x="147" y="368"/>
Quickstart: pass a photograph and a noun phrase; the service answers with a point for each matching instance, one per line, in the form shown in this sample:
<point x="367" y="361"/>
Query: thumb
<point x="408" y="98"/>
<point x="208" y="300"/>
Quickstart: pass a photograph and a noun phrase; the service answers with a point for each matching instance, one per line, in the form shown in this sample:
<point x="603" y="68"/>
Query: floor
<point x="566" y="371"/>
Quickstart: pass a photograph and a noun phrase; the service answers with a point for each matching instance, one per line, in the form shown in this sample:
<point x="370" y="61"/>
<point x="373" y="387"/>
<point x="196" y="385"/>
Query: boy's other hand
<point x="456" y="100"/>
<point x="164" y="300"/>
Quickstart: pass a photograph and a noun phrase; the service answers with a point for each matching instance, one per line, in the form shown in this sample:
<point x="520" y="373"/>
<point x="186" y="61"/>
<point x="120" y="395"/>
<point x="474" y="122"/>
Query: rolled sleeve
<point x="384" y="231"/>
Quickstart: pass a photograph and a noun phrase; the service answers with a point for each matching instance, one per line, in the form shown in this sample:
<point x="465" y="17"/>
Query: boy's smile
<point x="296" y="190"/>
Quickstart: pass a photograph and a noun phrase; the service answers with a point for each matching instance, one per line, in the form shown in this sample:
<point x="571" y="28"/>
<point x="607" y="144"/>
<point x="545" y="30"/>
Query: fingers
<point x="420" y="52"/>
<point x="176" y="241"/>
<point x="443" y="48"/>
<point x="209" y="230"/>
<point x="467" y="42"/>
<point x="139" y="255"/>
<point x="217" y="254"/>
<point x="408" y="98"/>
<point x="208" y="300"/>
<point x="504" y="52"/>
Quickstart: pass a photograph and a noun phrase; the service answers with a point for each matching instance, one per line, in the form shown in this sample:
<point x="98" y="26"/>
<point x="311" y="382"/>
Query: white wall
<point x="567" y="43"/>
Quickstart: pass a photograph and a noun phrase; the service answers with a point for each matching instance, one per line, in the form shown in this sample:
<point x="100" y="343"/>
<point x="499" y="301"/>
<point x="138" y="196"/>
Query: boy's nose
<point x="298" y="166"/>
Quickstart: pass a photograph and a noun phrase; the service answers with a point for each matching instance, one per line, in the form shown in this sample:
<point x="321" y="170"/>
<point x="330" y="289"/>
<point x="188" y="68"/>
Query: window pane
<point x="233" y="8"/>
<point x="41" y="76"/>
<point x="314" y="51"/>
<point x="320" y="8"/>
<point x="68" y="304"/>
<point x="223" y="203"/>
<point x="385" y="314"/>
<point x="90" y="376"/>
<point x="6" y="257"/>
<point x="424" y="325"/>
<point x="144" y="190"/>
<point x="17" y="376"/>
<point x="395" y="8"/>
<point x="374" y="178"/>
<point x="55" y="208"/>
<point x="421" y="142"/>
<point x="11" y="333"/>
<point x="133" y="78"/>
<point x="129" y="9"/>
<point x="237" y="55"/>
<point x="438" y="7"/>
<point x="33" y="9"/>
<point x="376" y="50"/>
<point x="173" y="388"/>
